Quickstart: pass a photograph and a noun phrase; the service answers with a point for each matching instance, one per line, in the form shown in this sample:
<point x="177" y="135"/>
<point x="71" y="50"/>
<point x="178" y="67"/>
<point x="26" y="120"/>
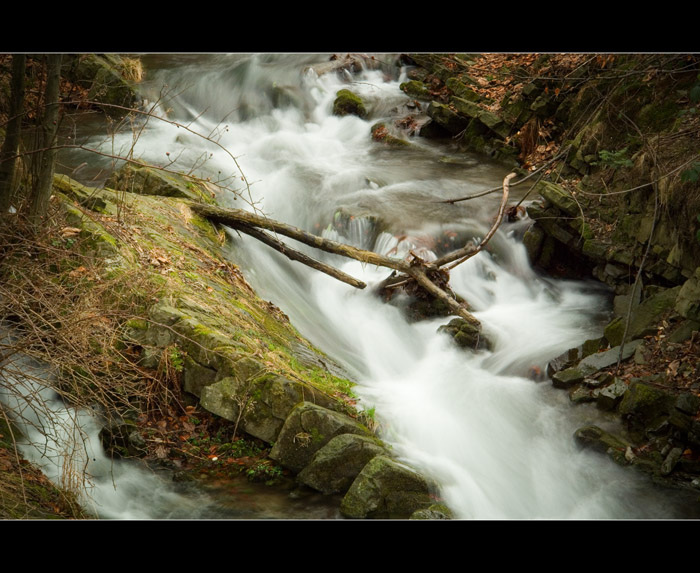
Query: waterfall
<point x="499" y="444"/>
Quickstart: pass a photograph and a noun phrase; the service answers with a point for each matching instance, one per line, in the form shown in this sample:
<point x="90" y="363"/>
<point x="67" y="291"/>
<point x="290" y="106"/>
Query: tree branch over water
<point x="416" y="269"/>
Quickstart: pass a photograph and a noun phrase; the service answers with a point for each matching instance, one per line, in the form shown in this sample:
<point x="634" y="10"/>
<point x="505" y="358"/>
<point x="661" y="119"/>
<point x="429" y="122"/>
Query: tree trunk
<point x="42" y="188"/>
<point x="10" y="147"/>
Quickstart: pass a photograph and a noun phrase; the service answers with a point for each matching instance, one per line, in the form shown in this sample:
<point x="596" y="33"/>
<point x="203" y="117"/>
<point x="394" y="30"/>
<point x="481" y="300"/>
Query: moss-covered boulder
<point x="306" y="430"/>
<point x="435" y="511"/>
<point x="336" y="465"/>
<point x="643" y="405"/>
<point x="260" y="405"/>
<point x="386" y="489"/>
<point x="146" y="180"/>
<point x="447" y="118"/>
<point x="464" y="334"/>
<point x="416" y="89"/>
<point x="349" y="103"/>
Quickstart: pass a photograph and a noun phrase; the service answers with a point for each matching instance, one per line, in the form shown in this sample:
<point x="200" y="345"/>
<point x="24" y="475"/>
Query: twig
<point x="469" y="251"/>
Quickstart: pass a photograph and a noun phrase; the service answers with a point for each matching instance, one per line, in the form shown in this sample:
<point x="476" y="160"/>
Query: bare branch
<point x="469" y="251"/>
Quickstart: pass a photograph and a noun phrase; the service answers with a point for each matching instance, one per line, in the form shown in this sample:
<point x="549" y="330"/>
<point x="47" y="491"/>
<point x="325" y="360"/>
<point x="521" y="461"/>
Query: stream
<point x="499" y="444"/>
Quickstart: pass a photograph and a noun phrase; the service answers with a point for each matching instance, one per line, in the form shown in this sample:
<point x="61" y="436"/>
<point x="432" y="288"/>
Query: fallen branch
<point x="295" y="255"/>
<point x="242" y="220"/>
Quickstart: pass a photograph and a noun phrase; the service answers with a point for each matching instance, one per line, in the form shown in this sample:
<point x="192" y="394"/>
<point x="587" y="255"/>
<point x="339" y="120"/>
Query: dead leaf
<point x="69" y="232"/>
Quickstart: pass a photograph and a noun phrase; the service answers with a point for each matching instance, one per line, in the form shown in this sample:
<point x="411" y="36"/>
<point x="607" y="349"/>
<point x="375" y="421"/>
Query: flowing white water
<point x="499" y="444"/>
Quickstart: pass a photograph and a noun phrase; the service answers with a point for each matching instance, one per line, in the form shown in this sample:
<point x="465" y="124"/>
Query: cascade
<point x="499" y="444"/>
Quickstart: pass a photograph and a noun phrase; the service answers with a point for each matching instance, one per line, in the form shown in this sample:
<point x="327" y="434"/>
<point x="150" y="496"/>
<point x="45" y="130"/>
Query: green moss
<point x="659" y="117"/>
<point x="348" y="103"/>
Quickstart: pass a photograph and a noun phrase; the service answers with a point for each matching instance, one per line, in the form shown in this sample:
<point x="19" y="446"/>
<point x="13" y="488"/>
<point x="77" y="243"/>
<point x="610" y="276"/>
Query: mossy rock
<point x="336" y="465"/>
<point x="266" y="402"/>
<point x="151" y="181"/>
<point x="558" y="197"/>
<point x="349" y="103"/>
<point x="416" y="89"/>
<point x="597" y="439"/>
<point x="306" y="430"/>
<point x="447" y="118"/>
<point x="435" y="511"/>
<point x="465" y="335"/>
<point x="643" y="405"/>
<point x="386" y="489"/>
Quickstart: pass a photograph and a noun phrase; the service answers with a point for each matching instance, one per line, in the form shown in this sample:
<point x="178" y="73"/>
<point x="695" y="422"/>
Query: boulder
<point x="599" y="440"/>
<point x="610" y="396"/>
<point x="386" y="489"/>
<point x="151" y="181"/>
<point x="435" y="511"/>
<point x="336" y="465"/>
<point x="688" y="300"/>
<point x="348" y="103"/>
<point x="306" y="430"/>
<point x="466" y="335"/>
<point x="643" y="405"/>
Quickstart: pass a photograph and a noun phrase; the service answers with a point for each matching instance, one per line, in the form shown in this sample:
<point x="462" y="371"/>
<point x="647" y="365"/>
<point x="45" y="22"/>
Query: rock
<point x="447" y="118"/>
<point x="580" y="394"/>
<point x="688" y="300"/>
<point x="601" y="441"/>
<point x="671" y="460"/>
<point x="688" y="403"/>
<point x="684" y="331"/>
<point x="306" y="430"/>
<point x="466" y="335"/>
<point x="267" y="400"/>
<point x="532" y="240"/>
<point x="643" y="405"/>
<point x="572" y="356"/>
<point x="416" y="89"/>
<point x="121" y="439"/>
<point x="380" y="133"/>
<point x="196" y="377"/>
<point x="647" y="315"/>
<point x="436" y="511"/>
<point x="348" y="103"/>
<point x="601" y="360"/>
<point x="569" y="377"/>
<point x="609" y="397"/>
<point x="557" y="196"/>
<point x="151" y="181"/>
<point x="614" y="331"/>
<point x="336" y="465"/>
<point x="385" y="489"/>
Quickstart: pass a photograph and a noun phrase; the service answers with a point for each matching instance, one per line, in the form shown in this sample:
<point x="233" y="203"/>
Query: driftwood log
<point x="416" y="269"/>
